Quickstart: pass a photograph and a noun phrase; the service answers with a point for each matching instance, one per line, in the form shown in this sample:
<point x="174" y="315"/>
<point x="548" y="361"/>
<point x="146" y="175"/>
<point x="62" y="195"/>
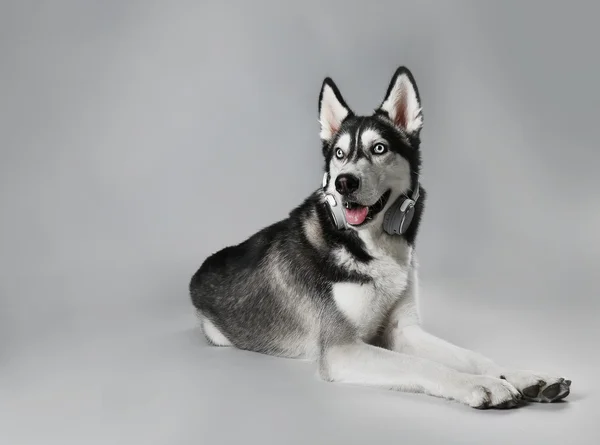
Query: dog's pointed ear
<point x="332" y="110"/>
<point x="402" y="104"/>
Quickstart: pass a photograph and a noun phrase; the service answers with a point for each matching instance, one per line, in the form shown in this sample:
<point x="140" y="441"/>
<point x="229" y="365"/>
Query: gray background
<point x="139" y="137"/>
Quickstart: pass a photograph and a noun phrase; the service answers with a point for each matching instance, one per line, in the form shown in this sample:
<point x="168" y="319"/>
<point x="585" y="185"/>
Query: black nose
<point x="346" y="184"/>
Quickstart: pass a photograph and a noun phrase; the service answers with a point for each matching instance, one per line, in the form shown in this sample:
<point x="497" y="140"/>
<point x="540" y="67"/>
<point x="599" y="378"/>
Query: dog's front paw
<point x="483" y="392"/>
<point x="537" y="387"/>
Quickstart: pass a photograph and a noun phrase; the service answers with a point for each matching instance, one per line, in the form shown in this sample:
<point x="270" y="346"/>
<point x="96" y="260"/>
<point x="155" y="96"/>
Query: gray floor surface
<point x="158" y="382"/>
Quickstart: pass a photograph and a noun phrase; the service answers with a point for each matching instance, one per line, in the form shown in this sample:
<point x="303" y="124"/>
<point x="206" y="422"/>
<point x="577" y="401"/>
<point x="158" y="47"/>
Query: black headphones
<point x="396" y="220"/>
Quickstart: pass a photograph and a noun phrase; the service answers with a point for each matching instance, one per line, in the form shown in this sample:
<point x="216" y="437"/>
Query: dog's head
<point x="370" y="161"/>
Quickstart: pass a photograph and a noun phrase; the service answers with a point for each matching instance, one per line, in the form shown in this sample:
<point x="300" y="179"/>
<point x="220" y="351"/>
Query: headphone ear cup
<point x="407" y="218"/>
<point x="336" y="212"/>
<point x="392" y="220"/>
<point x="399" y="216"/>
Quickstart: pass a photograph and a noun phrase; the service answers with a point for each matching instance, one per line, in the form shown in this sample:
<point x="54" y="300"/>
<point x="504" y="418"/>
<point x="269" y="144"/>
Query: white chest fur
<point x="366" y="305"/>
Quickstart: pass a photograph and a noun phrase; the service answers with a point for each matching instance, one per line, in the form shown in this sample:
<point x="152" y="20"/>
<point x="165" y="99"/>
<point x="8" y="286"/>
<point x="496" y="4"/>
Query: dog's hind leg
<point x="214" y="336"/>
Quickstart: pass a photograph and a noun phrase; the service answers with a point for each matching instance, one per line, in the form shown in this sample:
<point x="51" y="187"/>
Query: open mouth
<point x="357" y="214"/>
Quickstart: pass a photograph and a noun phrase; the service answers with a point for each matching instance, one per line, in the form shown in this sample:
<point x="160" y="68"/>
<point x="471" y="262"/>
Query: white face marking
<point x="343" y="142"/>
<point x="332" y="114"/>
<point x="369" y="137"/>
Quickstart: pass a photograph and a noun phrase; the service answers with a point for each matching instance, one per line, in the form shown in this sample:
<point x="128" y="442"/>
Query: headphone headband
<point x="415" y="195"/>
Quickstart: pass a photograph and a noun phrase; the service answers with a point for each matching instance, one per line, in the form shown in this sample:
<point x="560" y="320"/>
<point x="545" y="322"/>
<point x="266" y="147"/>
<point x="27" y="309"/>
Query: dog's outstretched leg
<point x="534" y="386"/>
<point x="404" y="334"/>
<point x="360" y="363"/>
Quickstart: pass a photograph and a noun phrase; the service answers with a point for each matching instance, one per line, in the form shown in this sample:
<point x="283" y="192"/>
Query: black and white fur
<point x="349" y="298"/>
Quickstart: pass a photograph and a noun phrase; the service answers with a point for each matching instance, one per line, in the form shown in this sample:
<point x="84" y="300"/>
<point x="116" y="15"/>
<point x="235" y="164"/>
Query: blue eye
<point x="379" y="148"/>
<point x="339" y="153"/>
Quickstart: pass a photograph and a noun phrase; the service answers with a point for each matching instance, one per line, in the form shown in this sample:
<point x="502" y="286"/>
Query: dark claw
<point x="568" y="382"/>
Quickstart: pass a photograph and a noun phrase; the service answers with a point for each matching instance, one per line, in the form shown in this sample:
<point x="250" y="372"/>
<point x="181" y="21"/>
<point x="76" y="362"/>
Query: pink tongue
<point x="356" y="215"/>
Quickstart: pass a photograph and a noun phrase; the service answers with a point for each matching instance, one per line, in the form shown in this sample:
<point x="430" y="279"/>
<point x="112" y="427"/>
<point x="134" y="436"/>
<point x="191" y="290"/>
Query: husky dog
<point x="336" y="281"/>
